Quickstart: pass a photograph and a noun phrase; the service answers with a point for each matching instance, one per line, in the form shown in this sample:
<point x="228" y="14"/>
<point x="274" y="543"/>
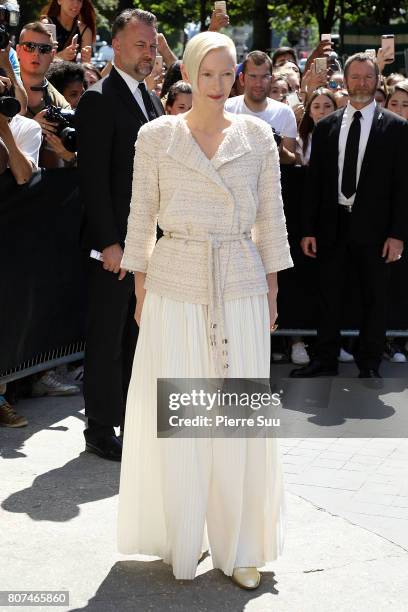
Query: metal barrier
<point x="45" y="361"/>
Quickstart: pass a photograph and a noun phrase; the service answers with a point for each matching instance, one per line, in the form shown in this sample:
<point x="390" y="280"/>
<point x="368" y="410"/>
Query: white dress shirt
<point x="366" y="120"/>
<point x="133" y="85"/>
<point x="27" y="135"/>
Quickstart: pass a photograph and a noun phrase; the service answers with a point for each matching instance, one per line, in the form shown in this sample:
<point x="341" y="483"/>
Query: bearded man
<point x="109" y="116"/>
<point x="355" y="214"/>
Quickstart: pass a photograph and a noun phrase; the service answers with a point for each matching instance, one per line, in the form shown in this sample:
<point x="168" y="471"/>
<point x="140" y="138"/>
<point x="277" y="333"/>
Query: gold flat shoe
<point x="246" y="577"/>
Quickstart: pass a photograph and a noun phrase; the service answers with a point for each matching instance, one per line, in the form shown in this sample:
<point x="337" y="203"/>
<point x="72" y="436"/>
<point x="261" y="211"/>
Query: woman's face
<point x="71" y="8"/>
<point x="398" y="104"/>
<point x="73" y="92"/>
<point x="216" y="77"/>
<point x="182" y="104"/>
<point x="321" y="107"/>
<point x="279" y="89"/>
<point x="91" y="77"/>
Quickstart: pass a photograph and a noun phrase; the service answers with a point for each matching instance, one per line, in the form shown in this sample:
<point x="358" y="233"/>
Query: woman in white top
<point x="320" y="104"/>
<point x="206" y="302"/>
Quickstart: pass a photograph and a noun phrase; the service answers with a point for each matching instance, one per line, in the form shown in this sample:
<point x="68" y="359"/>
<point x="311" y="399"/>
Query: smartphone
<point x="371" y="52"/>
<point x="158" y="64"/>
<point x="320" y="64"/>
<point x="292" y="99"/>
<point x="388" y="47"/>
<point x="220" y="7"/>
<point x="52" y="29"/>
<point x="326" y="37"/>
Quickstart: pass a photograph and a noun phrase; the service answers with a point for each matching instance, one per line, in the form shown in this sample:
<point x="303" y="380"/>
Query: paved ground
<point x="347" y="536"/>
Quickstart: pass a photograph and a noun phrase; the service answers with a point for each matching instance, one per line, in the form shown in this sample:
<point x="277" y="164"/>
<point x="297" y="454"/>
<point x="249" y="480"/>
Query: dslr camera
<point x="9" y="105"/>
<point x="65" y="125"/>
<point x="9" y="18"/>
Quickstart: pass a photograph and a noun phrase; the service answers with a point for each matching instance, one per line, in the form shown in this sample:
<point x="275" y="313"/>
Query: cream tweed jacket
<point x="221" y="217"/>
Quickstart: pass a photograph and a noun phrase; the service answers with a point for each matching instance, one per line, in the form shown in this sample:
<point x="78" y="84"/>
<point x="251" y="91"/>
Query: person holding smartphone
<point x="75" y="23"/>
<point x="320" y="104"/>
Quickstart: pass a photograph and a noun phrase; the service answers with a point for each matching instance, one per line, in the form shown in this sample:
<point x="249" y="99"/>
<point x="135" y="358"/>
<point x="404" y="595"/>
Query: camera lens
<point x="9" y="107"/>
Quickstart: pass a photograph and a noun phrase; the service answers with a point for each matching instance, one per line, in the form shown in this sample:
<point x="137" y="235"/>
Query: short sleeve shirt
<point x="278" y="115"/>
<point x="27" y="135"/>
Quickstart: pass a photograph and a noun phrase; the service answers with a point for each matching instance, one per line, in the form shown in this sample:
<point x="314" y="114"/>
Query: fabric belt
<point x="216" y="316"/>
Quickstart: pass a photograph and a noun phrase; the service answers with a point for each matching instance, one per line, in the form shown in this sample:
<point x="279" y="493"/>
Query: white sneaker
<point x="398" y="358"/>
<point x="345" y="357"/>
<point x="393" y="354"/>
<point x="299" y="355"/>
<point x="49" y="384"/>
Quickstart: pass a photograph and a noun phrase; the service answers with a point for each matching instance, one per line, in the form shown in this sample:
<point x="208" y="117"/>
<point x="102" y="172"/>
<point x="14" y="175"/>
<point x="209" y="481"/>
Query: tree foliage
<point x="281" y="15"/>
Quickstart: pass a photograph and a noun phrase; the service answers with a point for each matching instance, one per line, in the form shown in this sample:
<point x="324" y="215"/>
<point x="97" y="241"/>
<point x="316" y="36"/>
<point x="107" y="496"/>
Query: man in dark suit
<point x="355" y="213"/>
<point x="109" y="117"/>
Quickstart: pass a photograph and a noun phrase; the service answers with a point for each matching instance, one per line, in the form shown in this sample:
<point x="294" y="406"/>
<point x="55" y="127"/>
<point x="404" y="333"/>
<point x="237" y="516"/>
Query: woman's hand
<point x="69" y="53"/>
<point x="313" y="80"/>
<point x="299" y="111"/>
<point x="139" y="308"/>
<point x="273" y="311"/>
<point x="272" y="280"/>
<point x="86" y="54"/>
<point x="140" y="293"/>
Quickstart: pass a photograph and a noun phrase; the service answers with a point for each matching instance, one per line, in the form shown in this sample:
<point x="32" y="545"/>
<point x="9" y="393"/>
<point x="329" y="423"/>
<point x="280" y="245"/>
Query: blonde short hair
<point x="198" y="47"/>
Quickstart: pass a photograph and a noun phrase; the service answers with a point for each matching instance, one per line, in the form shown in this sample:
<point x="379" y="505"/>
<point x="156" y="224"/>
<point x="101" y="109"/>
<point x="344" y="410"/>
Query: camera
<point x="9" y="105"/>
<point x="277" y="137"/>
<point x="9" y="18"/>
<point x="65" y="122"/>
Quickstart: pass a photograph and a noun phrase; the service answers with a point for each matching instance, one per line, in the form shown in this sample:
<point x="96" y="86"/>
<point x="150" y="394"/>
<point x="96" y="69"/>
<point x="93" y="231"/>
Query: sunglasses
<point x="30" y="47"/>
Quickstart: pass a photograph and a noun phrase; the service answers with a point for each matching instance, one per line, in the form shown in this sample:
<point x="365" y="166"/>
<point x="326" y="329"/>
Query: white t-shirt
<point x="278" y="115"/>
<point x="27" y="135"/>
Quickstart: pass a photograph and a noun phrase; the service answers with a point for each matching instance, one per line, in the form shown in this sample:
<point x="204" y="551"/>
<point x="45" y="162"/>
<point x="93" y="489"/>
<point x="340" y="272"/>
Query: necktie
<point x="349" y="179"/>
<point x="150" y="110"/>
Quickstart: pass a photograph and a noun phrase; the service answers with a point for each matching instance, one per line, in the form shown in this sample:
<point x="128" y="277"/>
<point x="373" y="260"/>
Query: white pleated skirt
<point x="177" y="496"/>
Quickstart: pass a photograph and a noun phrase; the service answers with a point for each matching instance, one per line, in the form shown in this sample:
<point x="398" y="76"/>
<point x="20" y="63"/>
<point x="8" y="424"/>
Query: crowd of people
<point x="51" y="66"/>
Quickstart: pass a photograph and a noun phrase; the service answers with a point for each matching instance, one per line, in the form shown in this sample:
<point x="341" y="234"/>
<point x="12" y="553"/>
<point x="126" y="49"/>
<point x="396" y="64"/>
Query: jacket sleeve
<point x="269" y="232"/>
<point x="399" y="202"/>
<point x="95" y="135"/>
<point x="310" y="201"/>
<point x="144" y="206"/>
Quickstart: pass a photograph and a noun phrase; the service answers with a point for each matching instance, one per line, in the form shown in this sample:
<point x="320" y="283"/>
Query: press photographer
<point x="20" y="138"/>
<point x="36" y="52"/>
<point x="9" y="66"/>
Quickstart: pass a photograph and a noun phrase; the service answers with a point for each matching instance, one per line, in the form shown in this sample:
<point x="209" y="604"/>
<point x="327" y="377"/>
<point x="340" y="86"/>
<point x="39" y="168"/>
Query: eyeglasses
<point x="30" y="47"/>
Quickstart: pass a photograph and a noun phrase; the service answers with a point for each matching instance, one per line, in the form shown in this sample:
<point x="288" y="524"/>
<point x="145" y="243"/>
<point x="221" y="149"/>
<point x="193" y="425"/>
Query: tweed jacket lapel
<point x="184" y="149"/>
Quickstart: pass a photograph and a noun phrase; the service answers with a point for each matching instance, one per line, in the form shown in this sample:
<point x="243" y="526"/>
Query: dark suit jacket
<point x="380" y="207"/>
<point x="108" y="120"/>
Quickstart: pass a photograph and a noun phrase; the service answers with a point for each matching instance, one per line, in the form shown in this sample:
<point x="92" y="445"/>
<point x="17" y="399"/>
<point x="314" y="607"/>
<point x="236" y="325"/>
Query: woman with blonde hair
<point x="75" y="23"/>
<point x="206" y="303"/>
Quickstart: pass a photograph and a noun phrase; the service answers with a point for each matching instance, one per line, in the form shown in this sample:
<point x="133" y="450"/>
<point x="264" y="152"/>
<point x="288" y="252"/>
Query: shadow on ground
<point x="58" y="494"/>
<point x="133" y="586"/>
<point x="41" y="413"/>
